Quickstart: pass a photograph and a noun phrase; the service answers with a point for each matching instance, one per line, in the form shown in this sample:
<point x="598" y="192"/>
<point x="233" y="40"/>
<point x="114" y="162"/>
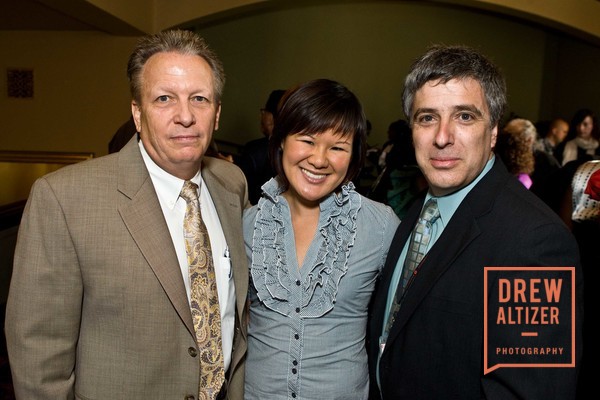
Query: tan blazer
<point x="97" y="307"/>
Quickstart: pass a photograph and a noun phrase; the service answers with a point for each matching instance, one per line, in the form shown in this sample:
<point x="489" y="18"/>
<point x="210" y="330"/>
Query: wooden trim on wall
<point x="43" y="157"/>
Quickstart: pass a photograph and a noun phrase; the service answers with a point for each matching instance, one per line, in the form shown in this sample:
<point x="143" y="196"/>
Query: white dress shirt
<point x="173" y="207"/>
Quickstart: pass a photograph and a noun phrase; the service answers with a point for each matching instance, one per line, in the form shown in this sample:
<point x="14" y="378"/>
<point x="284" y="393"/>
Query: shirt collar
<point x="449" y="204"/>
<point x="167" y="186"/>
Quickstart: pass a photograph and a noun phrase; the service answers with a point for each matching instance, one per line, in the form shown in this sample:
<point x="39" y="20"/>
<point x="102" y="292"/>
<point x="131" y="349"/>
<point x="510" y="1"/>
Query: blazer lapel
<point x="457" y="235"/>
<point x="461" y="230"/>
<point x="400" y="237"/>
<point x="143" y="218"/>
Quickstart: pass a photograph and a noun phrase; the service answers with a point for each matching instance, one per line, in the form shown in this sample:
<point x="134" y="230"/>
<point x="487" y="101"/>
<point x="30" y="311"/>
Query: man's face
<point x="178" y="111"/>
<point x="451" y="133"/>
<point x="560" y="132"/>
<point x="267" y="122"/>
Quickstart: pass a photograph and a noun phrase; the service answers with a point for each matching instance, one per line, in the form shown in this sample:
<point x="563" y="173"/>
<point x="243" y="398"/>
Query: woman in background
<point x="316" y="248"/>
<point x="581" y="143"/>
<point x="514" y="145"/>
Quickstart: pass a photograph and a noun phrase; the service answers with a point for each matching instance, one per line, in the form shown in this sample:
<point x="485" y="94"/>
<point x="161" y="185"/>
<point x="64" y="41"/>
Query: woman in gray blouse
<point x="316" y="248"/>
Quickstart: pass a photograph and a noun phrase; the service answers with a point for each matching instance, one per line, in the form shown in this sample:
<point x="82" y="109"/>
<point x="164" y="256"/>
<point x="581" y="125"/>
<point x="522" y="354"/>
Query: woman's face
<point x="315" y="164"/>
<point x="584" y="129"/>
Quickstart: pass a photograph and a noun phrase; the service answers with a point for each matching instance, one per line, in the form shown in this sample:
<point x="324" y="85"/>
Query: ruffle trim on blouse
<point x="269" y="267"/>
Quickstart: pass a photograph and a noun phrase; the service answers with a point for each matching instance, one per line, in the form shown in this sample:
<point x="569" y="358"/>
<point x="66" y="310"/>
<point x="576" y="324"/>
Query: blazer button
<point x="192" y="352"/>
<point x="189" y="397"/>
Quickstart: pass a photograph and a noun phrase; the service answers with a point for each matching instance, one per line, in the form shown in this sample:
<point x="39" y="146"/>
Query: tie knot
<point x="430" y="212"/>
<point x="189" y="191"/>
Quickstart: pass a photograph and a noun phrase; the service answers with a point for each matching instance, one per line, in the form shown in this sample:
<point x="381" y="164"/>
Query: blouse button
<point x="297" y="309"/>
<point x="296" y="336"/>
<point x="298" y="282"/>
<point x="294" y="370"/>
<point x="295" y="362"/>
<point x="294" y="395"/>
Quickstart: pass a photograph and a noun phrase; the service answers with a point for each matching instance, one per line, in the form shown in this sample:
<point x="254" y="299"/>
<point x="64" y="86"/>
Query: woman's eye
<point x="339" y="148"/>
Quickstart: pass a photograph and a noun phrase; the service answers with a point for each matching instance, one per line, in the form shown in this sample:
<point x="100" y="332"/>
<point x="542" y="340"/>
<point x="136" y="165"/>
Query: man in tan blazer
<point x="99" y="304"/>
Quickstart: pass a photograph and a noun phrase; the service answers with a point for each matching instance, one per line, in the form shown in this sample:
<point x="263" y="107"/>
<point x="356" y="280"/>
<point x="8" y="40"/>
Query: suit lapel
<point x="461" y="230"/>
<point x="144" y="219"/>
<point x="400" y="237"/>
<point x="457" y="235"/>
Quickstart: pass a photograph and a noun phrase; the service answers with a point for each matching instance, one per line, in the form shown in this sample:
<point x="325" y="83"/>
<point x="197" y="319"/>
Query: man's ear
<point x="136" y="112"/>
<point x="494" y="136"/>
<point x="217" y="116"/>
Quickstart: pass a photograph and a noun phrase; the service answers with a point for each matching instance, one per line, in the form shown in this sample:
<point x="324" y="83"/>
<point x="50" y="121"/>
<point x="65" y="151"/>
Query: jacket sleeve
<point x="44" y="303"/>
<point x="549" y="245"/>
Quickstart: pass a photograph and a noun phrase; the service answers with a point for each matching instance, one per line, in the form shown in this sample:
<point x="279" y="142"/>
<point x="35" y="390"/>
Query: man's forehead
<point x="467" y="82"/>
<point x="452" y="93"/>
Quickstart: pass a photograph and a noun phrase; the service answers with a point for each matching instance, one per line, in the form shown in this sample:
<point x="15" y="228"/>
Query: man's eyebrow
<point x="469" y="107"/>
<point x="424" y="110"/>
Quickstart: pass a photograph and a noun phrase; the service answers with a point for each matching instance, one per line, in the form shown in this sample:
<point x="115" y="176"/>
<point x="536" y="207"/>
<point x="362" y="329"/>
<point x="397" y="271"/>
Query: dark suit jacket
<point x="435" y="347"/>
<point x="97" y="307"/>
<point x="254" y="162"/>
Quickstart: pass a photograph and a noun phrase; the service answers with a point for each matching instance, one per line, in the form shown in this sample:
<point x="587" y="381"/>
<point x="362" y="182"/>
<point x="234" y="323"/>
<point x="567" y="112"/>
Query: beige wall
<point x="368" y="47"/>
<point x="81" y="93"/>
<point x="577" y="16"/>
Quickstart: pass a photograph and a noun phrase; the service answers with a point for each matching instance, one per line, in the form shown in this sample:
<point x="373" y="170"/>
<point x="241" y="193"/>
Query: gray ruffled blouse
<point x="308" y="323"/>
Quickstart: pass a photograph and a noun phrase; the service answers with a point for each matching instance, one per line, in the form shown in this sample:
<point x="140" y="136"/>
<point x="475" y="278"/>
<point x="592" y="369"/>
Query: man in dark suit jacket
<point x="99" y="302"/>
<point x="432" y="347"/>
<point x="254" y="158"/>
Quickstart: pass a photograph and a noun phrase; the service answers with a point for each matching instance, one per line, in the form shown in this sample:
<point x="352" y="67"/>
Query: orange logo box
<point x="529" y="317"/>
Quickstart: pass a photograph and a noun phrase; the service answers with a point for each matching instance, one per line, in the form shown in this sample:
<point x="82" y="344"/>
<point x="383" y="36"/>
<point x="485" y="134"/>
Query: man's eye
<point x="162" y="99"/>
<point x="465" y="117"/>
<point x="199" y="99"/>
<point x="425" y="118"/>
